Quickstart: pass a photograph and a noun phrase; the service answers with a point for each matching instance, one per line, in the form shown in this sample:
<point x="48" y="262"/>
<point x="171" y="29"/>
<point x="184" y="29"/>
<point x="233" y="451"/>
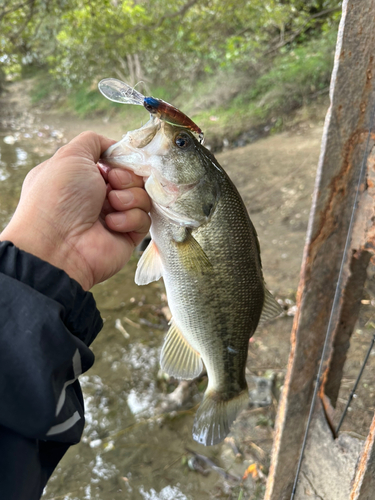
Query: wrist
<point x="52" y="250"/>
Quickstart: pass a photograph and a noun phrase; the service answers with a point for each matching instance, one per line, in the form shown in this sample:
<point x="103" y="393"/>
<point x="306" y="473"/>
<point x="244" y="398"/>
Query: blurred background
<point x="254" y="75"/>
<point x="232" y="65"/>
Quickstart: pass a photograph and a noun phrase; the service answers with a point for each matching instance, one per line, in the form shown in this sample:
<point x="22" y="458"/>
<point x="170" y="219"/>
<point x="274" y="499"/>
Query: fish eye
<point x="182" y="140"/>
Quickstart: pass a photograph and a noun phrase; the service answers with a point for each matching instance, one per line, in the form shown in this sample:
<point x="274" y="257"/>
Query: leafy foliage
<point x="280" y="51"/>
<point x="154" y="39"/>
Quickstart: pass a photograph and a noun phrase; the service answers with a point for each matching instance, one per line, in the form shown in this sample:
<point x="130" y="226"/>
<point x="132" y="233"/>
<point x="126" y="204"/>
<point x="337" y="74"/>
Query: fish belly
<point x="217" y="312"/>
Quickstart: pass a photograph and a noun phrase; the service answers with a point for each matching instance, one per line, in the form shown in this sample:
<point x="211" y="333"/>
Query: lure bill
<point x="118" y="91"/>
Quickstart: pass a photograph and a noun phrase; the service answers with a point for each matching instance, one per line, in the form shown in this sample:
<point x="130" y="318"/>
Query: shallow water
<point x="15" y="162"/>
<point x="130" y="448"/>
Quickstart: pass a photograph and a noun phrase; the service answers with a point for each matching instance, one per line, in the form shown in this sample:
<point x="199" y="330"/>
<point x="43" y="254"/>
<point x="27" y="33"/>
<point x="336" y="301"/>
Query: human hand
<point x="68" y="216"/>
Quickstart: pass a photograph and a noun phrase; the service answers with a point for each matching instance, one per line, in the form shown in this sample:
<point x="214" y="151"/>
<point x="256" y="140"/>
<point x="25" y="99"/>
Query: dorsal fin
<point x="178" y="358"/>
<point x="271" y="308"/>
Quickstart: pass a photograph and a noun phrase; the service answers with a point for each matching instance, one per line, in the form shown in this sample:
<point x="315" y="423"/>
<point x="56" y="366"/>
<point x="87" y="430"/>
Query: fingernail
<point x="125" y="177"/>
<point x="117" y="218"/>
<point x="125" y="197"/>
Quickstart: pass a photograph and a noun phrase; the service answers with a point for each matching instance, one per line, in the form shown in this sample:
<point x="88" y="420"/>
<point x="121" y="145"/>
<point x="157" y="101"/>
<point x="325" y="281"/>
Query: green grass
<point x="44" y="86"/>
<point x="86" y="102"/>
<point x="294" y="79"/>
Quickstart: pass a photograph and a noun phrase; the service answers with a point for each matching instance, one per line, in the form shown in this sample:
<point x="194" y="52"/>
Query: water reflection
<point x="16" y="159"/>
<point x="4" y="175"/>
<point x="142" y="403"/>
<point x="21" y="157"/>
<point x="13" y="157"/>
<point x="167" y="493"/>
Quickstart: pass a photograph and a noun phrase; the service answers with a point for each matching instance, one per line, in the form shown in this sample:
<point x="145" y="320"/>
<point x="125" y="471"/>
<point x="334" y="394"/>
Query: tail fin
<point x="215" y="416"/>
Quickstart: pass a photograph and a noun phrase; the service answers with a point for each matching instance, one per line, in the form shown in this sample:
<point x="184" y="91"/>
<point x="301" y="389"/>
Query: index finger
<point x="88" y="145"/>
<point x="120" y="178"/>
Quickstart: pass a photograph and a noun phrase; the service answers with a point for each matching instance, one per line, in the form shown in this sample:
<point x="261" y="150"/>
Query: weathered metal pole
<point x="364" y="481"/>
<point x="344" y="140"/>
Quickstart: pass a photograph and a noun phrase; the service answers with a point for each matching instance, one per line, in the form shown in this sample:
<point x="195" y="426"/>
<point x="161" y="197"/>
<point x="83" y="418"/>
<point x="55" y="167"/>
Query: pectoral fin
<point x="178" y="358"/>
<point x="192" y="255"/>
<point x="149" y="267"/>
<point x="271" y="308"/>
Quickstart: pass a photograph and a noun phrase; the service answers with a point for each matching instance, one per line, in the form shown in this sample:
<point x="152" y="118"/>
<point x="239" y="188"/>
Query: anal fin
<point x="149" y="267"/>
<point x="178" y="358"/>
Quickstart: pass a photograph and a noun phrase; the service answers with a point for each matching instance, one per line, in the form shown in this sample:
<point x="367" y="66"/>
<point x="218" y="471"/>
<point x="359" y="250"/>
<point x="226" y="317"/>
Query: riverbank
<point x="135" y="442"/>
<point x="224" y="128"/>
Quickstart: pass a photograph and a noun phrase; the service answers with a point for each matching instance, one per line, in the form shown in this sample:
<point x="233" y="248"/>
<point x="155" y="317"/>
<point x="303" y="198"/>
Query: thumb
<point x="88" y="145"/>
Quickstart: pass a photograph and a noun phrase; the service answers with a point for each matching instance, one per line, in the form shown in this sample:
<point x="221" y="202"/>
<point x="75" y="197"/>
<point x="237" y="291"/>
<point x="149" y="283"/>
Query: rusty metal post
<point x="364" y="481"/>
<point x="345" y="134"/>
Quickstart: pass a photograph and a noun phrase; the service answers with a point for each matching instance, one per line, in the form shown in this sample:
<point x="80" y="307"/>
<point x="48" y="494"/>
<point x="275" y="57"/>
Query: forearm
<point x="45" y="243"/>
<point x="46" y="323"/>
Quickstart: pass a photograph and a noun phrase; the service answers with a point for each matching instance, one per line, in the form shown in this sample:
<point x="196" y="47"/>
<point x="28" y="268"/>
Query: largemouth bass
<point x="206" y="249"/>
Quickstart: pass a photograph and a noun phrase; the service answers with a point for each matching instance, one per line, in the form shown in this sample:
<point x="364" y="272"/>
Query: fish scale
<point x="206" y="248"/>
<point x="221" y="314"/>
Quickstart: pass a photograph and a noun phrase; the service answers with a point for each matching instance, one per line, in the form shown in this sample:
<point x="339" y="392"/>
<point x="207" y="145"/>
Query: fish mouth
<point x="127" y="157"/>
<point x="129" y="153"/>
<point x="141" y="151"/>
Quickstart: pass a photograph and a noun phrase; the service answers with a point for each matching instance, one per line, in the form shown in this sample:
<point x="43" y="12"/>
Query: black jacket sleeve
<point x="47" y="322"/>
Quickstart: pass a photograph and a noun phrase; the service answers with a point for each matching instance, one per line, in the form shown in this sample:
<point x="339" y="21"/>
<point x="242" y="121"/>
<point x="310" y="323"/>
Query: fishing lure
<point x="118" y="91"/>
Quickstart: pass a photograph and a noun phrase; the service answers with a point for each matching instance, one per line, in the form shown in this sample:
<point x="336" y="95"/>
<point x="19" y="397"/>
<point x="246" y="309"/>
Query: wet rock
<point x="95" y="443"/>
<point x="262" y="394"/>
<point x="195" y="464"/>
<point x="121" y="329"/>
<point x="9" y="139"/>
<point x="57" y="134"/>
<point x="178" y="397"/>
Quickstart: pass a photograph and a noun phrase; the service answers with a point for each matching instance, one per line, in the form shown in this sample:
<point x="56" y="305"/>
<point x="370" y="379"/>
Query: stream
<point x="136" y="437"/>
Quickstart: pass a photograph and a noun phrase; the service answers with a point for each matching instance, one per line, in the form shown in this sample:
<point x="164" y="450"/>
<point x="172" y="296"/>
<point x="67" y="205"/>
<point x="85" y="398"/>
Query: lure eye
<point x="182" y="140"/>
<point x="151" y="109"/>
